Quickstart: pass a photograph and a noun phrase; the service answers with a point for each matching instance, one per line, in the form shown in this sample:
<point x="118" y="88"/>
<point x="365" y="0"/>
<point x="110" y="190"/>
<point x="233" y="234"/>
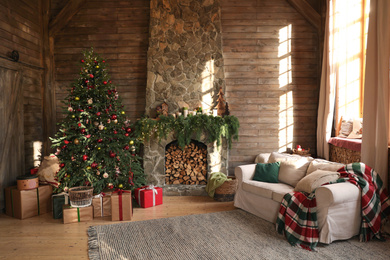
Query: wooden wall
<point x="20" y="88"/>
<point x="118" y="31"/>
<point x="255" y="56"/>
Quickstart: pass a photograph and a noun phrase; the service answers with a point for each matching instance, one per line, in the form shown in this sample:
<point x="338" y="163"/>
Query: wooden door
<point x="11" y="126"/>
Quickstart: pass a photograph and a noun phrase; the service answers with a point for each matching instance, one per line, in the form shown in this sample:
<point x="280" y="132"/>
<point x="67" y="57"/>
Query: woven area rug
<point x="232" y="234"/>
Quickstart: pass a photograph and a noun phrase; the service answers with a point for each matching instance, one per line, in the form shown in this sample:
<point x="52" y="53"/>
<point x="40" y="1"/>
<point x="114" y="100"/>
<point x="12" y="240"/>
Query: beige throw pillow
<point x="262" y="158"/>
<point x="357" y="130"/>
<point x="319" y="164"/>
<point x="292" y="171"/>
<point x="279" y="157"/>
<point x="316" y="179"/>
<point x="345" y="128"/>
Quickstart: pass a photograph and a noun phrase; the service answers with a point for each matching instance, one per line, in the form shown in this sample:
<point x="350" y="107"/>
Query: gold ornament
<point x="99" y="148"/>
<point x="77" y="98"/>
<point x="120" y="186"/>
<point x="123" y="112"/>
<point x="131" y="142"/>
<point x="89" y="167"/>
<point x="76" y="141"/>
<point x="73" y="116"/>
<point x="115" y="121"/>
<point x="97" y="67"/>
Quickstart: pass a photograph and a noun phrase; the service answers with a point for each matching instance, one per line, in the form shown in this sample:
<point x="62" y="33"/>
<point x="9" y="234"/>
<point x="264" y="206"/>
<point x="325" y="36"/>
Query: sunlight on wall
<point x="207" y="86"/>
<point x="37" y="152"/>
<point x="286" y="111"/>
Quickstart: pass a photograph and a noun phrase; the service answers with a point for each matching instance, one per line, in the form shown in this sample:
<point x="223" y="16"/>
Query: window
<point x="348" y="24"/>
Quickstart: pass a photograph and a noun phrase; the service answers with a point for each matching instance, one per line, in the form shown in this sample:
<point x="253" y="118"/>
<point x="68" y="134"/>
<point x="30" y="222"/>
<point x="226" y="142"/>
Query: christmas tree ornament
<point x="70" y="109"/>
<point x="131" y="142"/>
<point x="133" y="148"/>
<point x="99" y="148"/>
<point x="66" y="142"/>
<point x="82" y="61"/>
<point x="110" y="186"/>
<point x="82" y="130"/>
<point x="96" y="123"/>
<point x="90" y="101"/>
<point x="73" y="116"/>
<point x="91" y="76"/>
<point x="128" y="129"/>
<point x="98" y="113"/>
<point x="115" y="121"/>
<point x="97" y="67"/>
<point x="105" y="82"/>
<point x="126" y="134"/>
<point x="100" y="140"/>
<point x="113" y="117"/>
<point x="101" y="127"/>
<point x="94" y="165"/>
<point x="126" y="147"/>
<point x="76" y="141"/>
<point x="112" y="154"/>
<point x="89" y="168"/>
<point x="108" y="121"/>
<point x="77" y="98"/>
<point x="97" y="173"/>
<point x="105" y="175"/>
<point x="123" y="112"/>
<point x="86" y="71"/>
<point x="62" y="165"/>
<point x="120" y="186"/>
<point x="115" y="132"/>
<point x="85" y="157"/>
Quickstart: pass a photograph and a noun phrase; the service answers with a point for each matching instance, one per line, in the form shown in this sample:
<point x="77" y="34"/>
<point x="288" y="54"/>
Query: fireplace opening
<point x="186" y="166"/>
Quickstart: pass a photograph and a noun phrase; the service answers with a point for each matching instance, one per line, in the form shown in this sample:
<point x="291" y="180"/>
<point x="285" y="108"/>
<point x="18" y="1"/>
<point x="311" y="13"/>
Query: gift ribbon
<point x="120" y="202"/>
<point x="150" y="187"/>
<point x="100" y="196"/>
<point x="39" y="210"/>
<point x="78" y="214"/>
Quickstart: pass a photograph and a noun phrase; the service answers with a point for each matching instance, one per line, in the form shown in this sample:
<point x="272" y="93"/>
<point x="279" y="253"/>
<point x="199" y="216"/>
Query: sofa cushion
<point x="278" y="194"/>
<point x="319" y="164"/>
<point x="267" y="172"/>
<point x="292" y="171"/>
<point x="279" y="157"/>
<point x="262" y="158"/>
<point x="315" y="179"/>
<point x="265" y="189"/>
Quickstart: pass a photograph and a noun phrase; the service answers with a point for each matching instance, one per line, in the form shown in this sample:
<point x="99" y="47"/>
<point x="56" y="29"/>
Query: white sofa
<point x="338" y="205"/>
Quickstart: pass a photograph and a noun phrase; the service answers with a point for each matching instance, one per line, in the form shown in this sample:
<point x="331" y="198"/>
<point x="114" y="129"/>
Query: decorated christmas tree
<point x="95" y="144"/>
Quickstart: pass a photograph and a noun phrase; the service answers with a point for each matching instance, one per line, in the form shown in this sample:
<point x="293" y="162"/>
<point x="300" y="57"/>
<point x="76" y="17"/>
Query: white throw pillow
<point x="357" y="130"/>
<point x="292" y="171"/>
<point x="314" y="180"/>
<point x="262" y="158"/>
<point x="319" y="164"/>
<point x="279" y="157"/>
<point x="345" y="128"/>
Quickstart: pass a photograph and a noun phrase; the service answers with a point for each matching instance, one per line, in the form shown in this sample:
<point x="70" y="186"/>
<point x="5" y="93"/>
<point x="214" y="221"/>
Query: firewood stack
<point x="187" y="166"/>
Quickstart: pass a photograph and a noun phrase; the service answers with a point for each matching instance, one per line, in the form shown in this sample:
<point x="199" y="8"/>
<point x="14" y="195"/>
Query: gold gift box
<point x="101" y="206"/>
<point x="27" y="203"/>
<point x="73" y="215"/>
<point x="126" y="209"/>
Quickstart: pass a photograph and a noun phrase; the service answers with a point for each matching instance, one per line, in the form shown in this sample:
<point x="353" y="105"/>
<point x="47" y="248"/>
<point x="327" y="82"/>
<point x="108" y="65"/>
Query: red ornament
<point x="63" y="147"/>
<point x="95" y="61"/>
<point x="82" y="61"/>
<point x="66" y="141"/>
<point x="126" y="147"/>
<point x="115" y="132"/>
<point x="79" y="124"/>
<point x="94" y="165"/>
<point x="113" y="117"/>
<point x="82" y="130"/>
<point x="103" y="61"/>
<point x="62" y="165"/>
<point x="86" y="81"/>
<point x="126" y="134"/>
<point x="98" y="113"/>
<point x="85" y="157"/>
<point x="112" y="154"/>
<point x="109" y="92"/>
<point x="91" y="76"/>
<point x="109" y="81"/>
<point x="88" y="136"/>
<point x="128" y="129"/>
<point x="105" y="82"/>
<point x="100" y="140"/>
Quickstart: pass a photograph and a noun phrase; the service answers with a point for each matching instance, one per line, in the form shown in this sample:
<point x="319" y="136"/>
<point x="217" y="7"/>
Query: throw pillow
<point x="279" y="157"/>
<point x="267" y="172"/>
<point x="319" y="164"/>
<point x="262" y="158"/>
<point x="346" y="128"/>
<point x="357" y="129"/>
<point x="292" y="171"/>
<point x="316" y="179"/>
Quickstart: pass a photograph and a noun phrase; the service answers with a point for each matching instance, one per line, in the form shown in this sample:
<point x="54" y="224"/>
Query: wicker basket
<point x="81" y="196"/>
<point x="227" y="190"/>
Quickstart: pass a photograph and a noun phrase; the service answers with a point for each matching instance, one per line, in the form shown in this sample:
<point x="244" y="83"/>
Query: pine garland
<point x="185" y="128"/>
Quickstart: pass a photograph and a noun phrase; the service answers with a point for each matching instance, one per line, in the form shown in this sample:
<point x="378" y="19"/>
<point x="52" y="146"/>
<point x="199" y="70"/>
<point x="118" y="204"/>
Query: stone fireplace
<point x="185" y="69"/>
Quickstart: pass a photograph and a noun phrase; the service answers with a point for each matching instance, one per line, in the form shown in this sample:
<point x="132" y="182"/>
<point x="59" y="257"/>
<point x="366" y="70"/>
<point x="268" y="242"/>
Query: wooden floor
<point x="43" y="237"/>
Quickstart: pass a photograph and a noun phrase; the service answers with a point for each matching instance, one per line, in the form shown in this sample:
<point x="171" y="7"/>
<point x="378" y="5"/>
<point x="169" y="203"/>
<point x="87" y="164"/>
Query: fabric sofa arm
<point x="337" y="193"/>
<point x="244" y="172"/>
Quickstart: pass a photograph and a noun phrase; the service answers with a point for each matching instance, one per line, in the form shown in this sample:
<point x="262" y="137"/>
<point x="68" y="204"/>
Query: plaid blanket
<point x="297" y="217"/>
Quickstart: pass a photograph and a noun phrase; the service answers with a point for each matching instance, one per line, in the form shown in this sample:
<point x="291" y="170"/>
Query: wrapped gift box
<point x="27" y="203"/>
<point x="121" y="208"/>
<point x="59" y="200"/>
<point x="149" y="196"/>
<point x="72" y="215"/>
<point x="101" y="205"/>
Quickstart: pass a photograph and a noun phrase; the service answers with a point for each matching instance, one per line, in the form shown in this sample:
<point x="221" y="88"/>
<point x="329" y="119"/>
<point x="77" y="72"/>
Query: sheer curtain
<point x="376" y="94"/>
<point x="342" y="68"/>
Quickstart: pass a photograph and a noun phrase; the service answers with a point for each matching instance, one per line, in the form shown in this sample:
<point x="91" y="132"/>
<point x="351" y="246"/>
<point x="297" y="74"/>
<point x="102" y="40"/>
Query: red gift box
<point x="149" y="196"/>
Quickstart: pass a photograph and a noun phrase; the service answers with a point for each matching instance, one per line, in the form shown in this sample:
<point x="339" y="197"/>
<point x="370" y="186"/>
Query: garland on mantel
<point x="214" y="127"/>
